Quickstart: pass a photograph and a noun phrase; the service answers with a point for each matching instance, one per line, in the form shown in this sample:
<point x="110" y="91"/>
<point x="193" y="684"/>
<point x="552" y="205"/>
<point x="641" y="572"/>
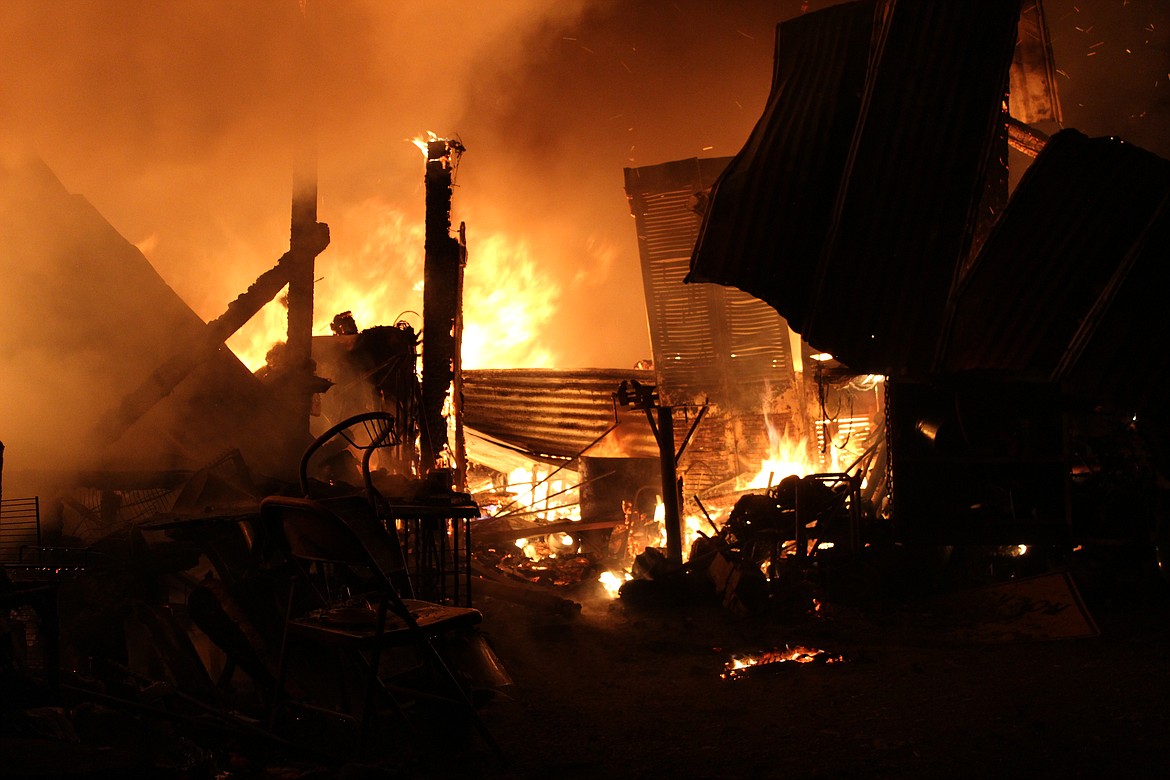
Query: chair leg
<point x="282" y="658"/>
<point x="427" y="646"/>
<point x="374" y="682"/>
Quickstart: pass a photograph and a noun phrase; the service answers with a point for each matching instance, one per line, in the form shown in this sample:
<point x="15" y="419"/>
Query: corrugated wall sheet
<point x="548" y="411"/>
<point x="709" y="341"/>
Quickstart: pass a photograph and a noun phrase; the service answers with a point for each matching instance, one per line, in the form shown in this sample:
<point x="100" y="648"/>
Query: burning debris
<point x="741" y="667"/>
<point x="207" y="597"/>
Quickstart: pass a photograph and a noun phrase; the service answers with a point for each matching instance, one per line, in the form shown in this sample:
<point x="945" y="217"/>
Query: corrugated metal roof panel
<point x="547" y="412"/>
<point x="771" y="210"/>
<point x="855" y="197"/>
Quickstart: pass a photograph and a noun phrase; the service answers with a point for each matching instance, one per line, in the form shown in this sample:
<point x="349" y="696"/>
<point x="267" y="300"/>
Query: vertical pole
<point x="299" y="345"/>
<point x="457" y="365"/>
<point x="300" y="297"/>
<point x="670" y="488"/>
<point x="442" y="302"/>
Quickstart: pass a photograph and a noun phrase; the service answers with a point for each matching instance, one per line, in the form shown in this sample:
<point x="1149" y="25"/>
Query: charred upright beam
<point x="302" y="266"/>
<point x="661" y="419"/>
<point x="442" y="298"/>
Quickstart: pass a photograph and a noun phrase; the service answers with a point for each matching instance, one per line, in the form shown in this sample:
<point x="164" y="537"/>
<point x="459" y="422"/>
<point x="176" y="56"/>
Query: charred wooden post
<point x="442" y="299"/>
<point x="299" y="343"/>
<point x="302" y="266"/>
<point x="664" y="432"/>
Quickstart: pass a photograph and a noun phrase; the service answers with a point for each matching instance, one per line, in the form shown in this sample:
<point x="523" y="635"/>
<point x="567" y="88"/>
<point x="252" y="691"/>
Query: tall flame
<point x="787" y="456"/>
<point x="374" y="268"/>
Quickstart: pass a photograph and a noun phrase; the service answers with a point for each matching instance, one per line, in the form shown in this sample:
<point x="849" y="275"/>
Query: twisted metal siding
<point x="708" y="341"/>
<point x="855" y="199"/>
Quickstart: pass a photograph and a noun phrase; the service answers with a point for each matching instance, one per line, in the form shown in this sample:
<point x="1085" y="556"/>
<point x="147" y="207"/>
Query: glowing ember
<point x="739" y="665"/>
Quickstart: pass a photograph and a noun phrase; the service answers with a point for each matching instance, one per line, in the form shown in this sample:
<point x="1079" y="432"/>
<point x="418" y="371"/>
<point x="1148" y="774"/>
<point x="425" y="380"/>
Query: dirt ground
<point x="636" y="692"/>
<point x="635" y="688"/>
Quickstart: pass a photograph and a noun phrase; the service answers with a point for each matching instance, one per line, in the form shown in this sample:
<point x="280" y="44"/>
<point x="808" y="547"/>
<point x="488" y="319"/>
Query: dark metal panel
<point x="907" y="215"/>
<point x="770" y="211"/>
<point x="1066" y="286"/>
<point x="1073" y="217"/>
<point x="854" y="200"/>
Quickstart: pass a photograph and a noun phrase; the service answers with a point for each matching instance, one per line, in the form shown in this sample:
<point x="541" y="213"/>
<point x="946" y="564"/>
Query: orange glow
<point x="737" y="666"/>
<point x="375" y="270"/>
<point x="787" y="456"/>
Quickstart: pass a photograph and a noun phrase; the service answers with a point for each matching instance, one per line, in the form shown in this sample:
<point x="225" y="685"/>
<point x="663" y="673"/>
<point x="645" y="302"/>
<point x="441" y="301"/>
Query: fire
<point x="374" y="268"/>
<point x="692" y="527"/>
<point x="549" y="498"/>
<point x="421" y="142"/>
<point x="612" y="581"/>
<point x="787" y="456"/>
<point x="739" y="665"/>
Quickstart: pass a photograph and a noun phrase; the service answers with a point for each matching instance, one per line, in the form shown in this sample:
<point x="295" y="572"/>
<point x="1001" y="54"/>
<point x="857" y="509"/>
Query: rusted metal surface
<point x="1025" y="139"/>
<point x="856" y="196"/>
<point x="1033" y="95"/>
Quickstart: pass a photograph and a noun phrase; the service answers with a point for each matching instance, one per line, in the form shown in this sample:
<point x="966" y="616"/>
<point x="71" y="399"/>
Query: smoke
<point x="180" y="123"/>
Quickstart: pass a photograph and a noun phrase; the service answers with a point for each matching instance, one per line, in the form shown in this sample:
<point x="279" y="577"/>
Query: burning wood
<point x="772" y="661"/>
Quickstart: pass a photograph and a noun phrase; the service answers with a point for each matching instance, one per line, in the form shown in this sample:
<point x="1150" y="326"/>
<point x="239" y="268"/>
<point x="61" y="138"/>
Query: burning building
<point x="870" y="208"/>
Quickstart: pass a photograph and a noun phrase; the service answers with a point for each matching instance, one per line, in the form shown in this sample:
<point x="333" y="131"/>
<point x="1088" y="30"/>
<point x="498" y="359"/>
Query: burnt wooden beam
<point x="442" y="299"/>
<point x="163" y="380"/>
<point x="1025" y="138"/>
<point x="302" y="267"/>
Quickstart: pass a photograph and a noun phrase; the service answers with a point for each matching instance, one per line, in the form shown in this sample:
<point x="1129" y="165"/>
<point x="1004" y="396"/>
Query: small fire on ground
<point x="741" y="666"/>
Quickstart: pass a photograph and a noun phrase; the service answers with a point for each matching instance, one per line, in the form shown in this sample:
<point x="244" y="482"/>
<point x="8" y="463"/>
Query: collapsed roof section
<point x="855" y="198"/>
<point x="1067" y="287"/>
<point x="83" y="320"/>
<point x="554" y="414"/>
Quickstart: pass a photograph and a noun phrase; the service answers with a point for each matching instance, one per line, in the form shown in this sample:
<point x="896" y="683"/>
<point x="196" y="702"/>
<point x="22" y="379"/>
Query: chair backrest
<point x="312" y="531"/>
<point x="365" y="432"/>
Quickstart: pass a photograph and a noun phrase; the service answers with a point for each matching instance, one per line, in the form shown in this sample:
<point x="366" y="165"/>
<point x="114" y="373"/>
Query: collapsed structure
<point x="852" y="260"/>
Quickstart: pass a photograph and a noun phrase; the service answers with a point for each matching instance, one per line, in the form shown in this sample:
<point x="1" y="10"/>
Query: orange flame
<point x="374" y="268"/>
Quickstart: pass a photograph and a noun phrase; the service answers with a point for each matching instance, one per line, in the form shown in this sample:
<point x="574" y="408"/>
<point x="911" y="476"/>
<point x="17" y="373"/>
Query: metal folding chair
<point x="349" y="565"/>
